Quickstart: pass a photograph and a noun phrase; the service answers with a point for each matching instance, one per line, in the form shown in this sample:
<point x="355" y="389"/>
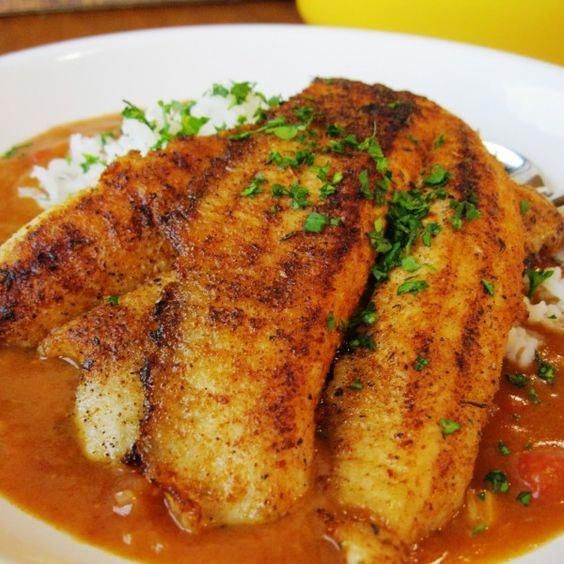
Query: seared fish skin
<point x="404" y="420"/>
<point x="104" y="241"/>
<point x="246" y="341"/>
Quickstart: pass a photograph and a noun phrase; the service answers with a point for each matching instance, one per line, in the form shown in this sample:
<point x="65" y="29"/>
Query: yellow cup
<point x="529" y="27"/>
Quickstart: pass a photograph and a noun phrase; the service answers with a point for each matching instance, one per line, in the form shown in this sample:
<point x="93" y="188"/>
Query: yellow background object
<point x="529" y="27"/>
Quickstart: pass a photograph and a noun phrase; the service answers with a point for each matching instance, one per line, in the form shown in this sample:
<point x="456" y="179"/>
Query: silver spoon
<point x="522" y="170"/>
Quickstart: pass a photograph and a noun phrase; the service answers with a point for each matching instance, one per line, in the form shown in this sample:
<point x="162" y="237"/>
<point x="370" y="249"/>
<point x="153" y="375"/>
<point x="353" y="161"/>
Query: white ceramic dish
<point x="512" y="100"/>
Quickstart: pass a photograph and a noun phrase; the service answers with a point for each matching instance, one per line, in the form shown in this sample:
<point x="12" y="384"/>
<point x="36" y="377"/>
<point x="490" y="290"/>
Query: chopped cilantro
<point x="253" y="188"/>
<point x="335" y="221"/>
<point x="524" y="207"/>
<point x="479" y="528"/>
<point x="420" y="363"/>
<point x="367" y="316"/>
<point x="316" y="222"/>
<point x="113" y="300"/>
<point x="536" y="277"/>
<point x="545" y="370"/>
<point x="89" y="161"/>
<point x="410" y="264"/>
<point x="412" y="287"/>
<point x="285" y="132"/>
<point x="274" y="101"/>
<point x="517" y="379"/>
<point x="331" y="321"/>
<point x="498" y="480"/>
<point x="464" y="209"/>
<point x="448" y="426"/>
<point x="365" y="185"/>
<point x="334" y="130"/>
<point x="363" y="342"/>
<point x="437" y="177"/>
<point x="503" y="448"/>
<point x="220" y="90"/>
<point x="356" y="384"/>
<point x="14" y="149"/>
<point x="533" y="397"/>
<point x="240" y="91"/>
<point x="439" y="141"/>
<point x="304" y="114"/>
<point x="488" y="287"/>
<point x="524" y="498"/>
<point x="131" y="111"/>
<point x="430" y="230"/>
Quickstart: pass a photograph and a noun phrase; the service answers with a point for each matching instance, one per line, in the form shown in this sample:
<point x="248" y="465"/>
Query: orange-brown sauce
<point x="43" y="471"/>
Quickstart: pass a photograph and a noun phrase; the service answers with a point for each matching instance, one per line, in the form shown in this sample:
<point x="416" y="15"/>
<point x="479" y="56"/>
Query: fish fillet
<point x="438" y="356"/>
<point x="103" y="241"/>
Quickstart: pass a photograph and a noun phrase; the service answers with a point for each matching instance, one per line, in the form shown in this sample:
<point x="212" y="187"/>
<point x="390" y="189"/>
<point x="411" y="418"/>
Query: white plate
<point x="512" y="100"/>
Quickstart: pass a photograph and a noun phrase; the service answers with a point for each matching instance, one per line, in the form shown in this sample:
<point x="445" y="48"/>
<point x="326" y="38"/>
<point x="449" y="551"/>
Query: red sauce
<point x="43" y="471"/>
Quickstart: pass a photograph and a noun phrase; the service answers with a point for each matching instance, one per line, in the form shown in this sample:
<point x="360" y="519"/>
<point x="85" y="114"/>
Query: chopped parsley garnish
<point x="220" y="90"/>
<point x="533" y="397"/>
<point x="14" y="149"/>
<point x="498" y="480"/>
<point x="536" y="277"/>
<point x="363" y="342"/>
<point x="437" y="177"/>
<point x="448" y="426"/>
<point x="365" y="185"/>
<point x="488" y="286"/>
<point x="412" y="287"/>
<point x="430" y="231"/>
<point x="113" y="300"/>
<point x="439" y="141"/>
<point x="89" y="161"/>
<point x="517" y="379"/>
<point x="285" y="132"/>
<point x="356" y="384"/>
<point x="331" y="321"/>
<point x="525" y="498"/>
<point x="410" y="264"/>
<point x="367" y="316"/>
<point x="240" y="91"/>
<point x="253" y="188"/>
<point x="479" y="528"/>
<point x="131" y="111"/>
<point x="304" y="114"/>
<point x="335" y="221"/>
<point x="524" y="207"/>
<point x="335" y="130"/>
<point x="316" y="222"/>
<point x="420" y="363"/>
<point x="503" y="448"/>
<point x="545" y="370"/>
<point x="464" y="209"/>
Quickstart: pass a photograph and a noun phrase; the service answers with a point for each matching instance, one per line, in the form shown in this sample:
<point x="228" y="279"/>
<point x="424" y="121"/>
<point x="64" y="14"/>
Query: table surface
<point x="20" y="32"/>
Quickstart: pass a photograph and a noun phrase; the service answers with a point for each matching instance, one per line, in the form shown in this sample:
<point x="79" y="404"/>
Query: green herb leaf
<point x="410" y="264"/>
<point x="503" y="448"/>
<point x="316" y="222"/>
<point x="479" y="528"/>
<point x="420" y="363"/>
<point x="545" y="370"/>
<point x="448" y="426"/>
<point x="334" y="130"/>
<point x="439" y="141"/>
<point x="519" y="380"/>
<point x="253" y="188"/>
<point x="113" y="300"/>
<point x="365" y="185"/>
<point x="536" y="277"/>
<point x="437" y="177"/>
<point x="525" y="498"/>
<point x="412" y="287"/>
<point x="285" y="132"/>
<point x="488" y="287"/>
<point x="331" y="321"/>
<point x="524" y="207"/>
<point x="498" y="480"/>
<point x="220" y="90"/>
<point x="240" y="91"/>
<point x="14" y="149"/>
<point x="356" y="384"/>
<point x="533" y="397"/>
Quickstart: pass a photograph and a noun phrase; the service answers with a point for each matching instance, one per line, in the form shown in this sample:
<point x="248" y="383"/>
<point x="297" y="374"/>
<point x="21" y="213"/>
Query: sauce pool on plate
<point x="43" y="471"/>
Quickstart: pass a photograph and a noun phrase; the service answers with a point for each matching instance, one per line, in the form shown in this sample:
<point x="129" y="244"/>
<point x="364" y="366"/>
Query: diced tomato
<point x="543" y="472"/>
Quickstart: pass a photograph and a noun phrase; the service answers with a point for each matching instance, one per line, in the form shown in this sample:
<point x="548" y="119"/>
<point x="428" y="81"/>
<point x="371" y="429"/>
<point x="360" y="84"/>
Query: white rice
<point x="89" y="156"/>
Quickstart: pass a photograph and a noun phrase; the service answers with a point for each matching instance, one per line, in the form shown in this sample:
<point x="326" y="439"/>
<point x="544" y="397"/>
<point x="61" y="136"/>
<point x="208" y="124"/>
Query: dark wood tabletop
<point x="22" y="31"/>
